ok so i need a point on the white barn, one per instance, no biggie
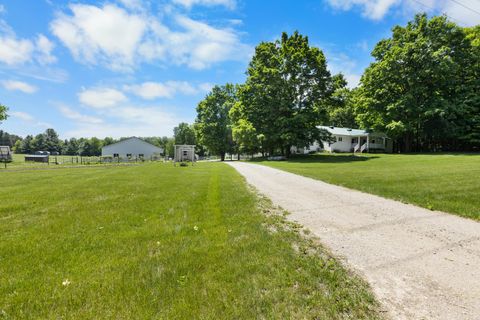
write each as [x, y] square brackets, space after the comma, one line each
[352, 140]
[131, 148]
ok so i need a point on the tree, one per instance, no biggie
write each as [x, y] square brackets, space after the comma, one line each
[416, 89]
[17, 148]
[286, 86]
[243, 132]
[27, 145]
[70, 147]
[52, 142]
[7, 139]
[212, 125]
[339, 108]
[184, 134]
[38, 143]
[3, 112]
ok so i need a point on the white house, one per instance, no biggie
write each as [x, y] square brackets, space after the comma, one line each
[131, 148]
[352, 140]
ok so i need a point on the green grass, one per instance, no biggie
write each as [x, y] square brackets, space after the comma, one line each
[446, 182]
[160, 242]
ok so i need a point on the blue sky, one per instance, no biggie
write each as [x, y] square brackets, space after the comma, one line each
[138, 67]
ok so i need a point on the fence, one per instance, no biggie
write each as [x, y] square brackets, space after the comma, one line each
[28, 161]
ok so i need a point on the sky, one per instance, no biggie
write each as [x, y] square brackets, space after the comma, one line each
[139, 67]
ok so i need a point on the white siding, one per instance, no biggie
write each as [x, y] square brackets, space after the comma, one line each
[339, 146]
[133, 146]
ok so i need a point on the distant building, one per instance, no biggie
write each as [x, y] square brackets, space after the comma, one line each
[350, 140]
[131, 148]
[184, 152]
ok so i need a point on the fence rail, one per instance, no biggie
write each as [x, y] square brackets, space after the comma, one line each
[20, 161]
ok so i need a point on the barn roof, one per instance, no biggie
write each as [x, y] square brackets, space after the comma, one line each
[136, 138]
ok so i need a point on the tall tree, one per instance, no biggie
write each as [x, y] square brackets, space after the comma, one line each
[27, 145]
[52, 142]
[415, 89]
[38, 143]
[212, 126]
[339, 107]
[184, 134]
[282, 97]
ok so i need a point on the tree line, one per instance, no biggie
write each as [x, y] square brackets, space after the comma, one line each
[422, 90]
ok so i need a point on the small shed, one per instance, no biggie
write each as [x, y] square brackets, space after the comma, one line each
[37, 158]
[184, 152]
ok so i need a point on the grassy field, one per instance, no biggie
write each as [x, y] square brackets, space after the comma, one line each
[160, 242]
[446, 182]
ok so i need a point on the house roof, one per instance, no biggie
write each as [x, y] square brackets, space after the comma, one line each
[347, 131]
[135, 138]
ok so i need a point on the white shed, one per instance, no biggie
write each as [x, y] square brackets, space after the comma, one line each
[184, 152]
[131, 148]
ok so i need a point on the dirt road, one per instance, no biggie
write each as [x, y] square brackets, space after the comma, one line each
[421, 264]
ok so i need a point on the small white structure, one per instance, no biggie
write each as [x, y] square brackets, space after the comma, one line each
[351, 140]
[184, 152]
[5, 153]
[131, 148]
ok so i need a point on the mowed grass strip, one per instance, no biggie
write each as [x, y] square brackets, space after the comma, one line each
[445, 182]
[160, 242]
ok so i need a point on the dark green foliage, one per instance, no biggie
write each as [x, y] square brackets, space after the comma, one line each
[282, 97]
[7, 139]
[184, 134]
[213, 125]
[423, 87]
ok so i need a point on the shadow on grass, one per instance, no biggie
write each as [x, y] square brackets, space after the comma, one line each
[323, 158]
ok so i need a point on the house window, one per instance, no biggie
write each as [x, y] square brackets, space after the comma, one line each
[140, 155]
[185, 153]
[115, 155]
[129, 155]
[339, 139]
[373, 141]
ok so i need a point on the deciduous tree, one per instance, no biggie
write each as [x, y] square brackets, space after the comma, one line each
[213, 125]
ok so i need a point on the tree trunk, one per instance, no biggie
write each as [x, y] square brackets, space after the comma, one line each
[238, 156]
[407, 140]
[222, 156]
[287, 152]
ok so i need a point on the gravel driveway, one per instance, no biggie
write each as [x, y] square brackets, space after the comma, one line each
[421, 264]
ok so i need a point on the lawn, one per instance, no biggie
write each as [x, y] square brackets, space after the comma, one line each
[446, 182]
[160, 242]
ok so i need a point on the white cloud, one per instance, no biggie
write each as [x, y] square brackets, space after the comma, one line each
[28, 118]
[101, 97]
[130, 121]
[44, 48]
[342, 63]
[461, 11]
[230, 4]
[74, 115]
[22, 115]
[109, 34]
[2, 8]
[153, 90]
[15, 51]
[12, 85]
[121, 38]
